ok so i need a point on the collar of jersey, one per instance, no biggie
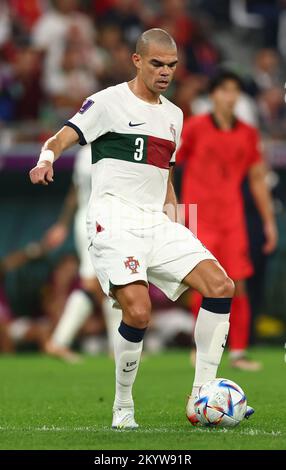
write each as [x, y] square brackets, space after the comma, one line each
[143, 102]
[216, 123]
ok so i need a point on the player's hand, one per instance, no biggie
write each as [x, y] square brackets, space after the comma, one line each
[271, 237]
[42, 173]
[55, 236]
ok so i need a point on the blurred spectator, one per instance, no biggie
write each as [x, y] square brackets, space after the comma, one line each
[245, 109]
[29, 12]
[100, 9]
[175, 18]
[242, 17]
[187, 92]
[27, 92]
[218, 11]
[54, 26]
[130, 16]
[20, 86]
[201, 56]
[5, 23]
[267, 69]
[257, 14]
[72, 81]
[272, 113]
[73, 62]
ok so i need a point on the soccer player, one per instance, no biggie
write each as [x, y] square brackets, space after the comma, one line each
[81, 301]
[218, 151]
[134, 131]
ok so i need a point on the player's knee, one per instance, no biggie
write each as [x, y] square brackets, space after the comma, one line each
[138, 314]
[221, 286]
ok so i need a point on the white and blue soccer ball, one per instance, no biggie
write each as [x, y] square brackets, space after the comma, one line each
[220, 402]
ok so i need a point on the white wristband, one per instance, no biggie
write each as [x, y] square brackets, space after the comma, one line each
[47, 155]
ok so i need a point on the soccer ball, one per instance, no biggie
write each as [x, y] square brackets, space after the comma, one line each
[220, 402]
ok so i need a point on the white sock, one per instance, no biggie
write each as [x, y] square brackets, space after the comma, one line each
[113, 317]
[127, 357]
[237, 353]
[210, 336]
[77, 309]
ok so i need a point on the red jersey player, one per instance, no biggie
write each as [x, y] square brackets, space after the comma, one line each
[218, 151]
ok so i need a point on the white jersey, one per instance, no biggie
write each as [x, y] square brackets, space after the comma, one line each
[82, 176]
[133, 145]
[82, 182]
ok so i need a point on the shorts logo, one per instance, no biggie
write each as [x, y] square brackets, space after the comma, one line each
[132, 264]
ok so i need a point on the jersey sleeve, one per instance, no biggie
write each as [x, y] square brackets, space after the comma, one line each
[186, 142]
[91, 121]
[177, 139]
[255, 148]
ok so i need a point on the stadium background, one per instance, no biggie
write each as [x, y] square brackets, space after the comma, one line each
[55, 53]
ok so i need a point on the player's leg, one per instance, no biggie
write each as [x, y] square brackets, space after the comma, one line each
[125, 278]
[234, 256]
[239, 330]
[78, 308]
[135, 303]
[112, 316]
[211, 238]
[80, 304]
[181, 261]
[6, 342]
[212, 325]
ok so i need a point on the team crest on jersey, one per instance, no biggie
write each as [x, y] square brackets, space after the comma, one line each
[132, 264]
[85, 106]
[173, 131]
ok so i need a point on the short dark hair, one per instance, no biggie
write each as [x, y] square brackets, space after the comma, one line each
[222, 76]
[154, 35]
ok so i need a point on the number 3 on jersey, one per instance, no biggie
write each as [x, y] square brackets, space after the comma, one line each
[139, 144]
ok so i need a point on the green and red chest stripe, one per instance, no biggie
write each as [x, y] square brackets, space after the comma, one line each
[137, 148]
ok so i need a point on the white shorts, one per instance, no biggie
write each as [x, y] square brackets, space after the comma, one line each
[86, 269]
[162, 255]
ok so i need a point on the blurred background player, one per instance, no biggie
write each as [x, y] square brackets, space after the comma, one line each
[81, 302]
[218, 151]
[18, 329]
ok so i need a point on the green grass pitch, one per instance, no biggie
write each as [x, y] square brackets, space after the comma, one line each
[46, 404]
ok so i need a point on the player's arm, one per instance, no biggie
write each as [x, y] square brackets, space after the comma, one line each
[16, 259]
[263, 202]
[42, 173]
[58, 232]
[69, 207]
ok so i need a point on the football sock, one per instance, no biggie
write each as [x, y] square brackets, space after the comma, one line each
[127, 350]
[210, 336]
[239, 326]
[78, 308]
[113, 317]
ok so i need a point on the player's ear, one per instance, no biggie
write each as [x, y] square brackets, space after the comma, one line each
[137, 60]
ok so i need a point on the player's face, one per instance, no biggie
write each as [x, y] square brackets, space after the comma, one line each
[156, 68]
[225, 96]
